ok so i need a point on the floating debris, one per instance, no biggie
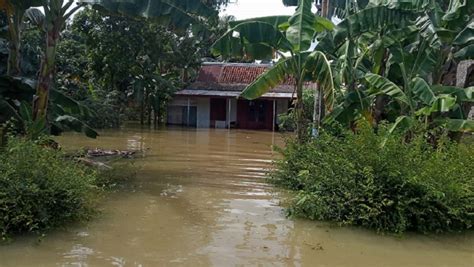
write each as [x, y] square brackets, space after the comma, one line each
[97, 152]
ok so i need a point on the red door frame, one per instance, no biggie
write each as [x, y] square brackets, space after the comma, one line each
[247, 119]
[218, 110]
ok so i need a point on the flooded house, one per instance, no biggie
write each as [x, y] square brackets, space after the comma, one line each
[212, 100]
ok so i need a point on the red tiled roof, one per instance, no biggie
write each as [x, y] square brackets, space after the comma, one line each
[233, 73]
[234, 77]
[209, 73]
[240, 74]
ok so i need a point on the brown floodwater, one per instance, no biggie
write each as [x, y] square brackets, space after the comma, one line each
[200, 199]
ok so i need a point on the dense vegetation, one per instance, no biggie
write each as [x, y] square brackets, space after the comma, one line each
[40, 190]
[393, 65]
[389, 63]
[389, 185]
[107, 64]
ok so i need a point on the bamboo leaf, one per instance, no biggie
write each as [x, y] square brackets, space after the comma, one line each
[76, 125]
[457, 125]
[465, 36]
[423, 91]
[177, 13]
[301, 30]
[268, 80]
[382, 85]
[369, 20]
[402, 125]
[319, 70]
[322, 24]
[465, 53]
[462, 94]
[251, 39]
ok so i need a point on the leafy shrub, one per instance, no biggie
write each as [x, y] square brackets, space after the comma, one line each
[105, 115]
[39, 189]
[287, 122]
[398, 187]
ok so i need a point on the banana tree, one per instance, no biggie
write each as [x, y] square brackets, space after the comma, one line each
[400, 53]
[56, 14]
[432, 105]
[16, 94]
[15, 12]
[291, 38]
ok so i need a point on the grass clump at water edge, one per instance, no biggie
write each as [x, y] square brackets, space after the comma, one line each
[401, 186]
[40, 189]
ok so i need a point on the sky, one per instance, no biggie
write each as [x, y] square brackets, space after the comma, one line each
[245, 9]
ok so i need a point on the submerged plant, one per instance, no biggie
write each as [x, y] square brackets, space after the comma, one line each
[401, 186]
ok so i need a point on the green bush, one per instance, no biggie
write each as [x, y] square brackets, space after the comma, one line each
[39, 189]
[287, 122]
[395, 188]
[105, 116]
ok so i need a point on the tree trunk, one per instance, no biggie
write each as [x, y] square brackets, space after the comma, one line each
[142, 111]
[47, 70]
[14, 42]
[299, 110]
[317, 111]
[149, 108]
[381, 100]
[325, 8]
[55, 16]
[155, 119]
[156, 114]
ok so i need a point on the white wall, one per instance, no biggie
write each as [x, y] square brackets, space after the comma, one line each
[201, 103]
[183, 101]
[233, 109]
[203, 112]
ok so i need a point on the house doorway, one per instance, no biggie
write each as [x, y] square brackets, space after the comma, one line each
[218, 112]
[255, 114]
[189, 116]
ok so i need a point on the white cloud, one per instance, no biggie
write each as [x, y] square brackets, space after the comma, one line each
[245, 9]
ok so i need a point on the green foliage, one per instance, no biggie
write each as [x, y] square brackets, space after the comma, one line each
[131, 65]
[352, 179]
[40, 190]
[391, 59]
[16, 94]
[175, 13]
[287, 122]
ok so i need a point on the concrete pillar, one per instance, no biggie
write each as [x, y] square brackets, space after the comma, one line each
[188, 111]
[274, 115]
[229, 112]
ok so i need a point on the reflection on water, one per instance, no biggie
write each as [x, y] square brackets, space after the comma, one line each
[201, 199]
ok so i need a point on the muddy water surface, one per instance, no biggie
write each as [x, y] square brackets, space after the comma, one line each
[200, 199]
